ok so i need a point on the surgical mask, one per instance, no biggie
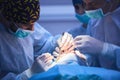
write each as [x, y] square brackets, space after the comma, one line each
[21, 33]
[82, 18]
[98, 13]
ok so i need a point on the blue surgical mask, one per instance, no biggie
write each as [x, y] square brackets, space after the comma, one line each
[82, 18]
[21, 33]
[98, 13]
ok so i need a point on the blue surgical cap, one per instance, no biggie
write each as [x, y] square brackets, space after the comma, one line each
[77, 2]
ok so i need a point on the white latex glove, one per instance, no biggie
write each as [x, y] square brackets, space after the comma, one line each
[34, 69]
[66, 43]
[42, 63]
[58, 52]
[46, 61]
[81, 55]
[87, 44]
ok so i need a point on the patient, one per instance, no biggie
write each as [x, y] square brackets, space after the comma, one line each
[47, 60]
[62, 55]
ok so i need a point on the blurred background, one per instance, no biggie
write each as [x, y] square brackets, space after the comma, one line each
[57, 16]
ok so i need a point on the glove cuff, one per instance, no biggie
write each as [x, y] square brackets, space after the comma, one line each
[28, 73]
[24, 75]
[108, 50]
[105, 47]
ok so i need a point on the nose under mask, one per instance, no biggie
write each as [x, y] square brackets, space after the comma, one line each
[98, 13]
[82, 18]
[20, 33]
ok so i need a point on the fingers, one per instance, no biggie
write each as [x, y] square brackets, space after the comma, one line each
[62, 39]
[49, 60]
[70, 49]
[55, 54]
[68, 41]
[65, 43]
[46, 58]
[68, 44]
[43, 56]
[82, 56]
[57, 49]
[78, 41]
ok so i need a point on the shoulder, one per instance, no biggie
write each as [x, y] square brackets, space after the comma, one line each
[92, 22]
[39, 31]
[116, 17]
[38, 28]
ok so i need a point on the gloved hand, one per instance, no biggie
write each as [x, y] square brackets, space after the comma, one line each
[81, 55]
[57, 53]
[87, 44]
[42, 63]
[65, 43]
[34, 69]
[46, 61]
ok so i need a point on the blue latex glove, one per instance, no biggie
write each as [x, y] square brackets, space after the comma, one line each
[87, 44]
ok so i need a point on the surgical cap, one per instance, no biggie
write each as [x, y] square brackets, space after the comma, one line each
[77, 2]
[21, 11]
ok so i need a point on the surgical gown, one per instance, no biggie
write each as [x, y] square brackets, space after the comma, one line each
[107, 29]
[80, 30]
[18, 54]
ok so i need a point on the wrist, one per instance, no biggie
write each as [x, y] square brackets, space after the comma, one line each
[104, 49]
[24, 75]
[108, 50]
[28, 73]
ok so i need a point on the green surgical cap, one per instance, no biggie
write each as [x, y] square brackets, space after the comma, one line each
[21, 11]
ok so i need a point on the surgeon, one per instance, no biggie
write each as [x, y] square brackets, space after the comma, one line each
[103, 38]
[81, 16]
[22, 39]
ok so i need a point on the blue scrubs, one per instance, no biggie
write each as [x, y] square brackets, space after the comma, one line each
[107, 29]
[80, 30]
[18, 54]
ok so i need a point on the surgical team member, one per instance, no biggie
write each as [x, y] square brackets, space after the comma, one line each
[103, 39]
[81, 16]
[21, 39]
